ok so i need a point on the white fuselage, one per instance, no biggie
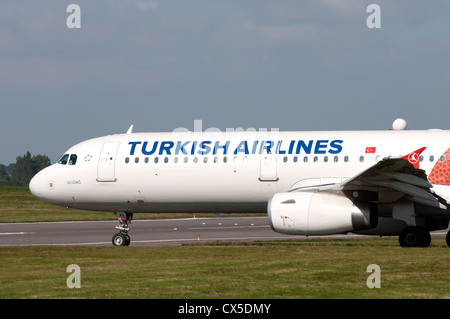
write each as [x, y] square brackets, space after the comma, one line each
[219, 172]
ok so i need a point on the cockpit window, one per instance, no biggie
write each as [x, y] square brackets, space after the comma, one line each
[73, 159]
[68, 159]
[63, 160]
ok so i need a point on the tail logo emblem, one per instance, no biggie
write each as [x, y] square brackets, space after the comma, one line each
[413, 158]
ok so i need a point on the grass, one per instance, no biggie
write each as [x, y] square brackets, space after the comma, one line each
[18, 205]
[290, 269]
[262, 269]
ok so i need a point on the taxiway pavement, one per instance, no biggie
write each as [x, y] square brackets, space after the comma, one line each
[155, 232]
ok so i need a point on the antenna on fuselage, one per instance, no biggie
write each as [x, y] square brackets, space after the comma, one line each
[130, 130]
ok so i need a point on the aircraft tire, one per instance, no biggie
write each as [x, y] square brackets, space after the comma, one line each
[447, 238]
[426, 237]
[121, 239]
[412, 236]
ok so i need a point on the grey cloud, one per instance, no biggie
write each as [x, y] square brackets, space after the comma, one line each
[294, 65]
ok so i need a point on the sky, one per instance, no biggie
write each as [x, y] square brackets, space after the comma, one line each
[161, 65]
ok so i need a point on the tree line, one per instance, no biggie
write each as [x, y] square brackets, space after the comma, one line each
[20, 173]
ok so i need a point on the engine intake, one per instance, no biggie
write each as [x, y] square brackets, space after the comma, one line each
[307, 213]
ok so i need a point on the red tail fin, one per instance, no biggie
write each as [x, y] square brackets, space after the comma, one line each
[413, 157]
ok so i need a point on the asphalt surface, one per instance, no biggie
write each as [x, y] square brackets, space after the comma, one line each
[163, 232]
[158, 232]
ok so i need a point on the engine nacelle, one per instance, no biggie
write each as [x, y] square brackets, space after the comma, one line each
[308, 213]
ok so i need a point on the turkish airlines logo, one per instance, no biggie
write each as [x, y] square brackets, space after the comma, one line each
[413, 158]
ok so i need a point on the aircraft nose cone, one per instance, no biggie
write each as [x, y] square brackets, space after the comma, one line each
[37, 185]
[42, 186]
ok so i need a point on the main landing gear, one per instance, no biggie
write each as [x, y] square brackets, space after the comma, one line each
[416, 236]
[447, 238]
[122, 238]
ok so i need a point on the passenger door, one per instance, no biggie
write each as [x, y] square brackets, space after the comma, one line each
[107, 162]
[268, 168]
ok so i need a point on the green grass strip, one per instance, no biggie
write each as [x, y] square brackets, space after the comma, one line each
[291, 269]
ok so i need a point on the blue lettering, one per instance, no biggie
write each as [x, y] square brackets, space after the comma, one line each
[165, 146]
[206, 148]
[335, 147]
[180, 147]
[133, 146]
[255, 144]
[279, 150]
[261, 147]
[144, 148]
[268, 148]
[194, 145]
[242, 147]
[257, 147]
[307, 148]
[291, 147]
[224, 147]
[321, 146]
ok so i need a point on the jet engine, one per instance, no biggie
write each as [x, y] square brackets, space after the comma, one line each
[309, 213]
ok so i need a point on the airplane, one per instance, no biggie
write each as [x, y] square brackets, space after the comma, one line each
[392, 182]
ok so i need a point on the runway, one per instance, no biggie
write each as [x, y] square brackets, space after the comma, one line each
[155, 232]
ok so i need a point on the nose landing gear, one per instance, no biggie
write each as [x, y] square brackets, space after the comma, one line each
[122, 238]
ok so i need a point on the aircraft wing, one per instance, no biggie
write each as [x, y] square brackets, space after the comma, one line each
[392, 179]
[388, 181]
